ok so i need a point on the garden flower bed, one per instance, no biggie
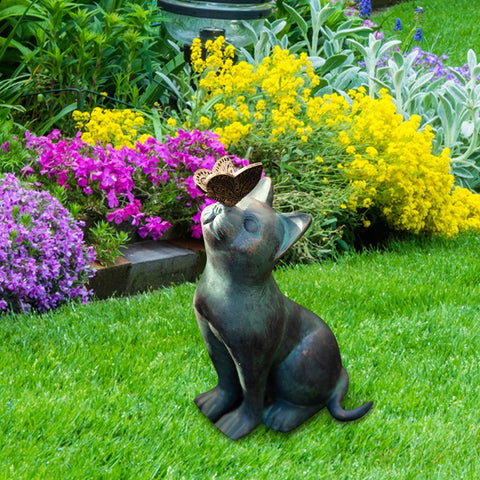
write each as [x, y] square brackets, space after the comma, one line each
[343, 120]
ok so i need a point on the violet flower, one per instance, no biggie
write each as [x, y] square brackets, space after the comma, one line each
[43, 260]
[155, 227]
[365, 8]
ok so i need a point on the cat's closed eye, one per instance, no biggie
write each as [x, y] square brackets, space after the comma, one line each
[250, 225]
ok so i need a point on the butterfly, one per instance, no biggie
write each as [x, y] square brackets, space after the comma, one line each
[225, 183]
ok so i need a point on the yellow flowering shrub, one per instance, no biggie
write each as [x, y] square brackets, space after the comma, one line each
[118, 128]
[243, 96]
[391, 167]
[353, 144]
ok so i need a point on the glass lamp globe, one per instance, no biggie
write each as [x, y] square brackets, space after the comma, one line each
[207, 20]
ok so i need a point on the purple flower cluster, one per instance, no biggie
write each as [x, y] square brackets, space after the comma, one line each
[365, 7]
[133, 185]
[429, 62]
[433, 63]
[418, 35]
[43, 261]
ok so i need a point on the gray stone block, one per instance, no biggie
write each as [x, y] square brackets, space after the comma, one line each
[155, 264]
[110, 281]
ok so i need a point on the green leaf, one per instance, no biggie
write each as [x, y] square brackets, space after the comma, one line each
[381, 83]
[351, 31]
[397, 79]
[360, 47]
[332, 63]
[325, 13]
[463, 172]
[63, 113]
[151, 94]
[17, 11]
[471, 60]
[14, 29]
[302, 24]
[327, 49]
[347, 78]
[467, 128]
[290, 168]
[5, 43]
[343, 245]
[317, 63]
[173, 88]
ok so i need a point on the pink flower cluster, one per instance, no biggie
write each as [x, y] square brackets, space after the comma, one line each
[132, 185]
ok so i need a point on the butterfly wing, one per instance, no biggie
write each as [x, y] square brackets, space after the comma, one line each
[246, 179]
[224, 165]
[221, 187]
[226, 185]
[200, 179]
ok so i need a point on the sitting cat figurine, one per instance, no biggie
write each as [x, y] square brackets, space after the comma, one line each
[277, 362]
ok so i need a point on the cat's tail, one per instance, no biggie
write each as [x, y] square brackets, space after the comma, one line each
[334, 403]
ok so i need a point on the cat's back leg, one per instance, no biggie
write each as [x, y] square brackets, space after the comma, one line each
[302, 384]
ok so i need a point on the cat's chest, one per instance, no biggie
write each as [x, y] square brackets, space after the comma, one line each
[216, 303]
[233, 307]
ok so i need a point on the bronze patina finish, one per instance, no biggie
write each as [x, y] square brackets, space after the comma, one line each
[277, 362]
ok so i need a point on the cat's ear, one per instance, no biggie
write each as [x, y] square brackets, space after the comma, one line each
[263, 192]
[294, 226]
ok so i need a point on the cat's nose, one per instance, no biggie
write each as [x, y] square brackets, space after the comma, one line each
[211, 212]
[220, 208]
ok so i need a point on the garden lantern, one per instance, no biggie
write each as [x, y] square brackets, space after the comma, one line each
[207, 20]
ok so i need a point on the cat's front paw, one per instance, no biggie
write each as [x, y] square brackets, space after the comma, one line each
[216, 402]
[239, 423]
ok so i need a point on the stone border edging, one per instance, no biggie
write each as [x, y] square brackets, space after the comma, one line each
[149, 265]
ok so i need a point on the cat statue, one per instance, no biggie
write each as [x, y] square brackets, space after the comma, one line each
[277, 362]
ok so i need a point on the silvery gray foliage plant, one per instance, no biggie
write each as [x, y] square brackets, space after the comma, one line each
[337, 65]
[264, 42]
[457, 122]
[372, 53]
[407, 85]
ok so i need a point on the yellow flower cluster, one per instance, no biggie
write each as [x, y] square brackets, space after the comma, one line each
[271, 94]
[115, 127]
[391, 167]
[328, 110]
[217, 55]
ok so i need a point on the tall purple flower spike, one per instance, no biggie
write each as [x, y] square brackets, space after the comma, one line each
[418, 35]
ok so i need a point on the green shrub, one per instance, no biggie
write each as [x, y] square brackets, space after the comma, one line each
[78, 55]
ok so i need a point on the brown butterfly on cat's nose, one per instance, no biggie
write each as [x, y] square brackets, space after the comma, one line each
[225, 184]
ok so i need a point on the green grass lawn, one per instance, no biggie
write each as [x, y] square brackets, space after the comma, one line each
[105, 390]
[447, 27]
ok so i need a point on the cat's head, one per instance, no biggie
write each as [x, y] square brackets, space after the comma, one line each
[250, 236]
